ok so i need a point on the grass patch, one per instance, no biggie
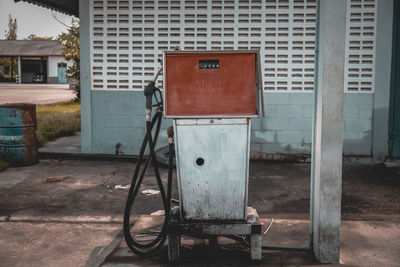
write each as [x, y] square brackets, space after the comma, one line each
[57, 120]
[3, 165]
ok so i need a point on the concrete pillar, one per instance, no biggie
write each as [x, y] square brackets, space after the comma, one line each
[85, 82]
[328, 131]
[19, 70]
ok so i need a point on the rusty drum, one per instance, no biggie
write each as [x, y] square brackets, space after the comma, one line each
[18, 141]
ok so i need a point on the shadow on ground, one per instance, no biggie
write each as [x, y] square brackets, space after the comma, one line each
[87, 188]
[69, 212]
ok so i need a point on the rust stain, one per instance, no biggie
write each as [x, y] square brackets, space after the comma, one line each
[229, 90]
[21, 146]
[281, 157]
[56, 179]
[170, 131]
[28, 114]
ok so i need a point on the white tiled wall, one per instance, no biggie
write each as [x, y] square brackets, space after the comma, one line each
[128, 37]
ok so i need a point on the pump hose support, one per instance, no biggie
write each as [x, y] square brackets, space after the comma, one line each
[144, 249]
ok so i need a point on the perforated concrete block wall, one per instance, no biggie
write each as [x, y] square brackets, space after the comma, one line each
[128, 37]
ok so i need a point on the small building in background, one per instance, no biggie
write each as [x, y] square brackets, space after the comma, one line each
[32, 61]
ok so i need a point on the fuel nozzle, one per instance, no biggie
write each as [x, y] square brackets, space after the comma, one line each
[149, 90]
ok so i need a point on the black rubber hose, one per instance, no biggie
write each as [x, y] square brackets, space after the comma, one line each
[144, 169]
[148, 248]
[141, 155]
[146, 165]
[136, 247]
[135, 185]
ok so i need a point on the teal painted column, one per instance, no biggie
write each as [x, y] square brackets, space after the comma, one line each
[394, 108]
[86, 94]
[328, 131]
[19, 69]
[383, 59]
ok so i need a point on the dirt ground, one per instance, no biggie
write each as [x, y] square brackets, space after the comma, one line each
[283, 188]
[69, 213]
[279, 189]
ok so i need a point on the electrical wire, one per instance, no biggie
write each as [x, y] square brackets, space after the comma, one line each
[269, 226]
[59, 21]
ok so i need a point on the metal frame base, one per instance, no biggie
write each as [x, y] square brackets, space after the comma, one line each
[176, 228]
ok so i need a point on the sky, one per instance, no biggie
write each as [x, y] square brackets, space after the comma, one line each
[31, 19]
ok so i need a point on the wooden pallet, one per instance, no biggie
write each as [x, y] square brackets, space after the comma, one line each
[250, 228]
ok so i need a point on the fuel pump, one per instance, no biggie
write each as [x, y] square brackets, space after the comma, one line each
[211, 97]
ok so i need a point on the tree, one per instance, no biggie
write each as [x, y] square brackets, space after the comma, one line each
[33, 36]
[70, 40]
[11, 34]
[9, 63]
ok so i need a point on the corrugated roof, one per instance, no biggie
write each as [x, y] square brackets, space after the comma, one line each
[30, 48]
[70, 7]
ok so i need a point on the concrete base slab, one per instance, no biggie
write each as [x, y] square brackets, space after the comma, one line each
[373, 243]
[198, 251]
[68, 144]
[393, 163]
[53, 244]
[363, 244]
[248, 232]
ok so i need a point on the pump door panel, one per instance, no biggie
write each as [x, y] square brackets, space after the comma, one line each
[212, 164]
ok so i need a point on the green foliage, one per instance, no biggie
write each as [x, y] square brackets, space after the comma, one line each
[33, 36]
[57, 120]
[70, 40]
[3, 165]
[77, 91]
[9, 63]
[11, 34]
[5, 75]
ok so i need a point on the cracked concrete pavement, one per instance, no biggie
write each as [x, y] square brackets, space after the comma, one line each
[76, 219]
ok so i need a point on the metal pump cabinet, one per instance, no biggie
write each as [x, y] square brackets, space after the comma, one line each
[212, 166]
[211, 97]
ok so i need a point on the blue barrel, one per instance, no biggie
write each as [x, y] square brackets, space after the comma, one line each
[18, 141]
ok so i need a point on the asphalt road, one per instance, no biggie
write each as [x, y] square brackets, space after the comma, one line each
[34, 93]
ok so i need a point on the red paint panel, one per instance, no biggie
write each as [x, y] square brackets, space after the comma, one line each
[227, 91]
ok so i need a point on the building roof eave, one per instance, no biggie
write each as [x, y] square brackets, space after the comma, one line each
[30, 48]
[69, 7]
